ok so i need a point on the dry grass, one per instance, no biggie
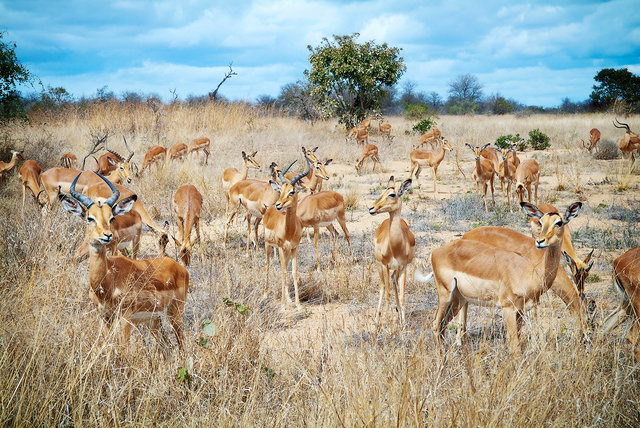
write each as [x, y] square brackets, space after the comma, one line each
[324, 365]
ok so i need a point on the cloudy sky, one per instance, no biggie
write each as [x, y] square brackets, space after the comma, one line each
[536, 52]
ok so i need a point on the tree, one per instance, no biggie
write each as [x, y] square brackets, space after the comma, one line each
[615, 85]
[350, 79]
[297, 99]
[12, 73]
[465, 87]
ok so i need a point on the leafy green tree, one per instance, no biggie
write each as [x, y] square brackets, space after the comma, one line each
[12, 73]
[350, 79]
[616, 84]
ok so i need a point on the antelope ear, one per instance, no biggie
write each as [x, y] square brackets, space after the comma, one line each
[327, 162]
[404, 187]
[588, 258]
[588, 267]
[112, 161]
[572, 211]
[485, 146]
[531, 210]
[73, 206]
[275, 185]
[469, 145]
[391, 182]
[244, 155]
[314, 150]
[569, 261]
[125, 205]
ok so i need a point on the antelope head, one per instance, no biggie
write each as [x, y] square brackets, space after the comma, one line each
[123, 165]
[250, 160]
[579, 273]
[320, 170]
[391, 198]
[552, 224]
[310, 153]
[477, 150]
[287, 189]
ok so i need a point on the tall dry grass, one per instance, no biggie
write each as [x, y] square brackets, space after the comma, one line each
[325, 365]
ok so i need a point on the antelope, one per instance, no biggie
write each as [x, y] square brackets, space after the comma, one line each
[394, 245]
[629, 143]
[231, 176]
[127, 230]
[506, 172]
[187, 203]
[626, 279]
[594, 137]
[112, 160]
[512, 155]
[366, 123]
[369, 151]
[177, 151]
[153, 155]
[137, 291]
[473, 271]
[30, 177]
[362, 135]
[430, 137]
[6, 167]
[310, 153]
[312, 181]
[199, 144]
[283, 229]
[320, 210]
[484, 172]
[68, 160]
[385, 130]
[528, 172]
[423, 158]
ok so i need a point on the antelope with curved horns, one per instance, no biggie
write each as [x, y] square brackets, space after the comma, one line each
[594, 137]
[113, 160]
[484, 172]
[137, 291]
[68, 160]
[187, 203]
[395, 245]
[153, 155]
[283, 229]
[527, 173]
[6, 167]
[231, 176]
[422, 158]
[195, 146]
[30, 177]
[472, 271]
[629, 143]
[127, 230]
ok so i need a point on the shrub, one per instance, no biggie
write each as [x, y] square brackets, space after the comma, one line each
[502, 141]
[538, 140]
[416, 111]
[607, 150]
[423, 126]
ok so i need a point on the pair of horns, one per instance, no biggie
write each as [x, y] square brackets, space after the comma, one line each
[106, 147]
[86, 201]
[297, 177]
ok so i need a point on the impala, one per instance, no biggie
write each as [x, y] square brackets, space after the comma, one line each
[187, 203]
[177, 151]
[629, 143]
[506, 173]
[594, 137]
[362, 135]
[473, 271]
[195, 146]
[112, 160]
[366, 123]
[312, 181]
[512, 154]
[68, 160]
[432, 159]
[430, 137]
[369, 151]
[153, 155]
[138, 291]
[626, 278]
[231, 176]
[283, 229]
[6, 167]
[385, 130]
[484, 172]
[30, 177]
[126, 229]
[527, 173]
[394, 244]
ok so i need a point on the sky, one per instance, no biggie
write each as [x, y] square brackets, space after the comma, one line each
[537, 52]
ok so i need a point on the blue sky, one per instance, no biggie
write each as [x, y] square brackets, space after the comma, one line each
[535, 52]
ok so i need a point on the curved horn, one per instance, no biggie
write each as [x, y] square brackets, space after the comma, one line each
[116, 193]
[97, 164]
[130, 151]
[84, 200]
[112, 151]
[624, 125]
[299, 176]
[282, 173]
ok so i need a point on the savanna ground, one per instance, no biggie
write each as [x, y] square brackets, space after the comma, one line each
[324, 365]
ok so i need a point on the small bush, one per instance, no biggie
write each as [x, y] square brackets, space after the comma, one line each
[538, 140]
[502, 141]
[607, 150]
[423, 126]
[416, 111]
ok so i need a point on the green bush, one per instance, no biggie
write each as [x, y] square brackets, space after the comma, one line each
[416, 111]
[502, 141]
[423, 126]
[538, 140]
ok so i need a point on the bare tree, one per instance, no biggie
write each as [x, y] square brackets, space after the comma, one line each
[466, 87]
[213, 95]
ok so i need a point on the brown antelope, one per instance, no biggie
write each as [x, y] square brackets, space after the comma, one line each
[629, 143]
[195, 146]
[112, 160]
[527, 173]
[68, 160]
[283, 229]
[231, 176]
[312, 181]
[366, 123]
[474, 271]
[310, 153]
[594, 137]
[187, 203]
[320, 210]
[385, 130]
[369, 151]
[506, 173]
[484, 172]
[362, 135]
[30, 177]
[126, 229]
[512, 154]
[394, 244]
[430, 137]
[153, 155]
[626, 279]
[6, 167]
[432, 159]
[138, 291]
[177, 151]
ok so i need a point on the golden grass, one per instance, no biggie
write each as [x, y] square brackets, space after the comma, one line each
[324, 365]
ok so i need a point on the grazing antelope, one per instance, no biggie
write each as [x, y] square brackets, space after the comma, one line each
[506, 173]
[430, 137]
[112, 160]
[473, 271]
[594, 137]
[187, 203]
[394, 245]
[6, 167]
[385, 130]
[320, 210]
[432, 159]
[177, 151]
[528, 172]
[68, 160]
[195, 146]
[283, 229]
[153, 155]
[231, 176]
[127, 230]
[138, 291]
[626, 279]
[369, 151]
[484, 172]
[629, 143]
[30, 177]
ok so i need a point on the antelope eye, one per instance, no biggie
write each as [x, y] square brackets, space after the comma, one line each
[122, 168]
[91, 219]
[392, 195]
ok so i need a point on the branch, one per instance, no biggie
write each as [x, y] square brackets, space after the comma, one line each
[213, 95]
[99, 139]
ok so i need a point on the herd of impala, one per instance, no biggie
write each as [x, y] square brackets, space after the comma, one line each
[493, 266]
